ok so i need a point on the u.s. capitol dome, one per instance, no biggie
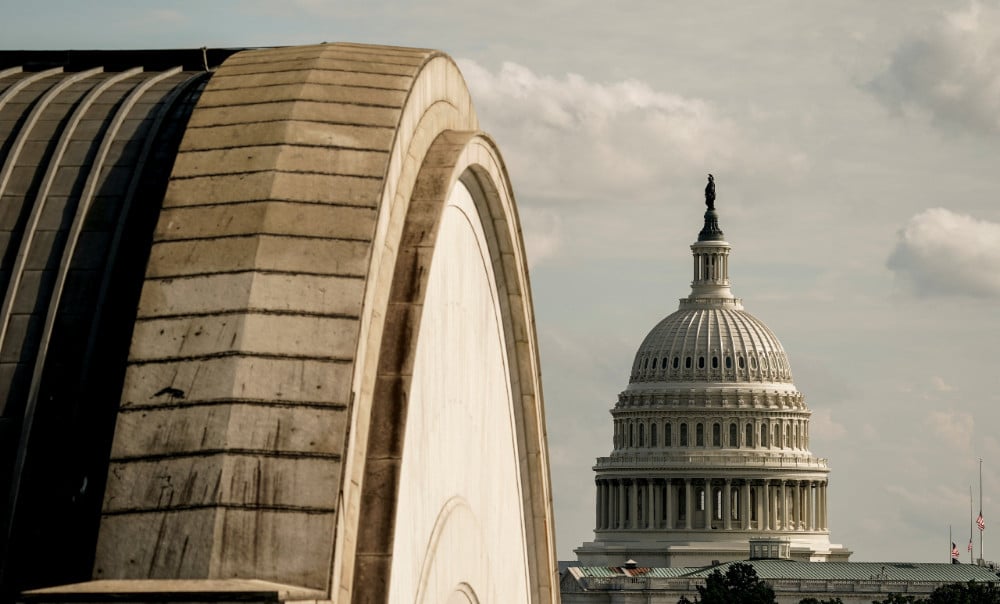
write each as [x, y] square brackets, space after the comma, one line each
[711, 440]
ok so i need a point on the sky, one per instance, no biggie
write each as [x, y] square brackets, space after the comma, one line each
[856, 151]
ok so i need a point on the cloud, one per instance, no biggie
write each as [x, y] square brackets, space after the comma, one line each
[822, 426]
[943, 253]
[950, 72]
[569, 139]
[953, 428]
[542, 231]
[938, 383]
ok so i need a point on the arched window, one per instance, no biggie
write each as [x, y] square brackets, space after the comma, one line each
[715, 362]
[734, 436]
[654, 363]
[645, 363]
[687, 362]
[776, 435]
[748, 437]
[753, 504]
[642, 435]
[734, 503]
[652, 435]
[729, 362]
[742, 363]
[631, 433]
[663, 363]
[677, 362]
[684, 435]
[699, 435]
[753, 362]
[701, 362]
[716, 435]
[717, 507]
[763, 435]
[667, 435]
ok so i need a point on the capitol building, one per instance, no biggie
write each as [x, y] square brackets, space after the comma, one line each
[711, 440]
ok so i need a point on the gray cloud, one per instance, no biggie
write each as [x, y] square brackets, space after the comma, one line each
[950, 72]
[942, 253]
[569, 138]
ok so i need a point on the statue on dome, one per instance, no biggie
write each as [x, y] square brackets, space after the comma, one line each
[710, 193]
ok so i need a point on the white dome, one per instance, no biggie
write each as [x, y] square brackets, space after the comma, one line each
[711, 344]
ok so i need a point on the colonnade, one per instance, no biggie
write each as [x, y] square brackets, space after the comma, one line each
[764, 504]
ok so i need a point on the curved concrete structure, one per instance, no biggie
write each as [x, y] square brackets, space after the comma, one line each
[335, 271]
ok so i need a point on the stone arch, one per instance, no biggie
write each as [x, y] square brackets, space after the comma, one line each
[279, 323]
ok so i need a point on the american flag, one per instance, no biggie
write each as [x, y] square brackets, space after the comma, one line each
[954, 550]
[980, 522]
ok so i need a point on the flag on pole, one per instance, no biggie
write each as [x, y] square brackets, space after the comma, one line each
[980, 522]
[954, 550]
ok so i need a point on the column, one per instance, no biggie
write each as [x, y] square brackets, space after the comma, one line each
[633, 502]
[822, 499]
[812, 506]
[784, 505]
[668, 505]
[688, 503]
[797, 499]
[597, 499]
[765, 517]
[651, 508]
[727, 505]
[745, 504]
[709, 501]
[620, 511]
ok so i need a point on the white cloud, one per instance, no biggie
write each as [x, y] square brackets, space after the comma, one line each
[955, 429]
[950, 72]
[571, 139]
[941, 253]
[823, 426]
[542, 230]
[938, 383]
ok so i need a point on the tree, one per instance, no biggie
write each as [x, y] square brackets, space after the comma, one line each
[953, 593]
[740, 585]
[815, 601]
[900, 599]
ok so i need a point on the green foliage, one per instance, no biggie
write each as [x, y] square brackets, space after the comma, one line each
[740, 585]
[899, 599]
[815, 601]
[953, 593]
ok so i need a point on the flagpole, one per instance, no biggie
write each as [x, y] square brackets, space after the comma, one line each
[972, 554]
[981, 555]
[951, 546]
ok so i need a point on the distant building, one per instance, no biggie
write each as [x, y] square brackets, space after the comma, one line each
[711, 439]
[852, 582]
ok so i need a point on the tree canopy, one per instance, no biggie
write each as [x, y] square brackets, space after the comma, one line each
[740, 585]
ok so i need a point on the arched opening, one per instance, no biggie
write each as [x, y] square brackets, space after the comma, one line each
[667, 435]
[631, 435]
[763, 435]
[652, 435]
[748, 436]
[699, 431]
[642, 435]
[753, 504]
[716, 435]
[684, 435]
[734, 503]
[733, 436]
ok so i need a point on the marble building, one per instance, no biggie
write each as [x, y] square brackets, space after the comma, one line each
[711, 440]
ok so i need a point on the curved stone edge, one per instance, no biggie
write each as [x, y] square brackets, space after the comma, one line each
[239, 378]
